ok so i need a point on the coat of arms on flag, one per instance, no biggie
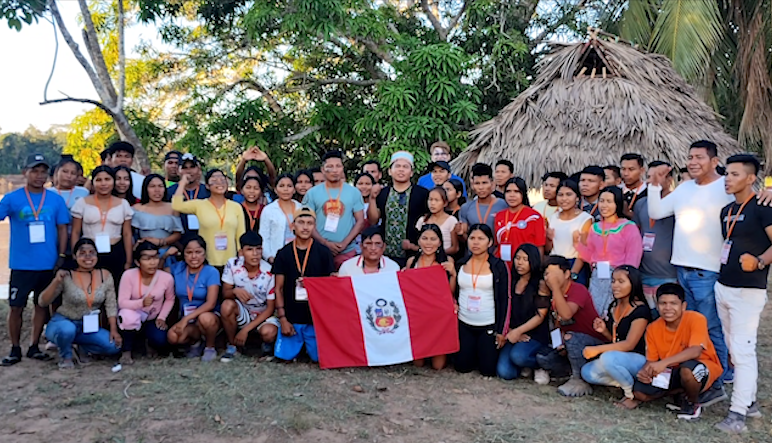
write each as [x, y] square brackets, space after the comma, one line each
[383, 319]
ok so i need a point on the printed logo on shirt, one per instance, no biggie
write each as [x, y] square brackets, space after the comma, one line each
[739, 218]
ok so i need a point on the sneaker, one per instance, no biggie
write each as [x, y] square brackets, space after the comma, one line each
[209, 355]
[526, 373]
[690, 411]
[267, 349]
[194, 351]
[734, 423]
[678, 403]
[754, 411]
[50, 346]
[35, 353]
[712, 396]
[541, 377]
[13, 358]
[230, 354]
[65, 365]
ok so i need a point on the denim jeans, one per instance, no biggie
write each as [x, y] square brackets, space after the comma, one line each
[65, 333]
[573, 361]
[698, 285]
[156, 338]
[514, 357]
[614, 368]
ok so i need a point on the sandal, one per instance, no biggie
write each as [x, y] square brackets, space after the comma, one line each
[10, 360]
[37, 354]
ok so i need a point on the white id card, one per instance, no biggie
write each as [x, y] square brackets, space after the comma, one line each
[506, 252]
[37, 232]
[187, 310]
[221, 241]
[725, 248]
[102, 242]
[473, 303]
[604, 269]
[192, 222]
[301, 293]
[91, 322]
[556, 337]
[331, 223]
[662, 380]
[648, 241]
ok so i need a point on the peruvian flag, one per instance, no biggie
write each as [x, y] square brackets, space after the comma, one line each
[383, 319]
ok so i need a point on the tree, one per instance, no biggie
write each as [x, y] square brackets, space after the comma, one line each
[15, 148]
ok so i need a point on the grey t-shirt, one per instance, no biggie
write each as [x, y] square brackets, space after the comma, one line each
[468, 212]
[655, 263]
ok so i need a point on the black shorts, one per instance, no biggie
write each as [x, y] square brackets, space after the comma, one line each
[24, 282]
[699, 370]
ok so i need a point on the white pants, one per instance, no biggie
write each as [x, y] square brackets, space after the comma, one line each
[740, 310]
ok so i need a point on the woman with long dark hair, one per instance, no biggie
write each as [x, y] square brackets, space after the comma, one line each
[253, 201]
[304, 180]
[484, 289]
[454, 189]
[437, 201]
[628, 317]
[529, 329]
[154, 219]
[611, 242]
[561, 227]
[124, 184]
[277, 218]
[519, 223]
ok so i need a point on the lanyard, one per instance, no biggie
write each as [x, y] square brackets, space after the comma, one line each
[475, 276]
[149, 286]
[651, 223]
[35, 212]
[69, 198]
[88, 290]
[252, 220]
[421, 261]
[487, 213]
[730, 228]
[195, 194]
[340, 193]
[189, 289]
[507, 221]
[594, 207]
[302, 270]
[102, 211]
[617, 320]
[635, 197]
[220, 215]
[286, 215]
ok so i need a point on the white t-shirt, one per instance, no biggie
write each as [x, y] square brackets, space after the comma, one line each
[261, 288]
[353, 266]
[70, 196]
[563, 243]
[545, 209]
[697, 238]
[476, 306]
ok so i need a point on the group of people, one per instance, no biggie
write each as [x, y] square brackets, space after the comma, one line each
[617, 278]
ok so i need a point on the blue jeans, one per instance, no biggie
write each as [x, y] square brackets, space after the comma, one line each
[156, 338]
[698, 285]
[65, 333]
[570, 362]
[614, 368]
[514, 357]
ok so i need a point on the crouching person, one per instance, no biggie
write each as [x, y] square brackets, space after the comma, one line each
[85, 292]
[680, 358]
[248, 289]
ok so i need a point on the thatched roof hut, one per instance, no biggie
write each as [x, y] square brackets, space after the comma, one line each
[591, 103]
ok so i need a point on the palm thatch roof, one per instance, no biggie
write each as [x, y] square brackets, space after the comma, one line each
[591, 103]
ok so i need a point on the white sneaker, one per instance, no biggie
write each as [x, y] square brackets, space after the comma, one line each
[541, 377]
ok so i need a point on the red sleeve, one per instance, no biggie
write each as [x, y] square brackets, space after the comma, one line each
[538, 231]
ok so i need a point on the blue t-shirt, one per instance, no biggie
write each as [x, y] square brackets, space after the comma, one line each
[25, 255]
[320, 201]
[209, 276]
[426, 182]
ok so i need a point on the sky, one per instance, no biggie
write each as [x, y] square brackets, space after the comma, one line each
[27, 58]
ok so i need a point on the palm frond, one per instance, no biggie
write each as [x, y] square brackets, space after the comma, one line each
[638, 21]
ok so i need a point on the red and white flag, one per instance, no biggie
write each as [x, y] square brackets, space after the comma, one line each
[383, 319]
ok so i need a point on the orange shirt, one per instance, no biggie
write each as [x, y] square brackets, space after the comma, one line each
[662, 343]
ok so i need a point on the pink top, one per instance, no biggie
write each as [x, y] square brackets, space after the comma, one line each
[623, 244]
[129, 296]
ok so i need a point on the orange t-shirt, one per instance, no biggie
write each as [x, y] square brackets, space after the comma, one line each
[662, 343]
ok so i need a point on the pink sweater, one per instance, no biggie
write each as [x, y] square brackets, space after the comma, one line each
[129, 296]
[623, 245]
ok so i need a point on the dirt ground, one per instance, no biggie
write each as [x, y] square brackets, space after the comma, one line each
[182, 400]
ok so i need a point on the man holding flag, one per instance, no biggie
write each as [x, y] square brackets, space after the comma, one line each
[372, 260]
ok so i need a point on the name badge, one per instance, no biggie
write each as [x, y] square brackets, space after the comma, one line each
[556, 337]
[725, 248]
[221, 241]
[192, 222]
[473, 303]
[604, 269]
[662, 380]
[37, 232]
[331, 222]
[648, 241]
[301, 293]
[187, 310]
[102, 242]
[91, 322]
[506, 252]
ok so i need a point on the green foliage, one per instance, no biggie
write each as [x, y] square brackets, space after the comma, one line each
[17, 12]
[15, 147]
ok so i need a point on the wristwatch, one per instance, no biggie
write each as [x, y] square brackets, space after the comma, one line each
[574, 276]
[762, 265]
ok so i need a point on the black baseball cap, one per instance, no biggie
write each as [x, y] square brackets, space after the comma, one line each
[442, 164]
[251, 238]
[36, 160]
[189, 158]
[171, 154]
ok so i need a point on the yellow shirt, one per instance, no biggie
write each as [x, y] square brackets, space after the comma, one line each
[233, 226]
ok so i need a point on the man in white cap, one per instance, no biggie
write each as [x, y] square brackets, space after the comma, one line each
[398, 207]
